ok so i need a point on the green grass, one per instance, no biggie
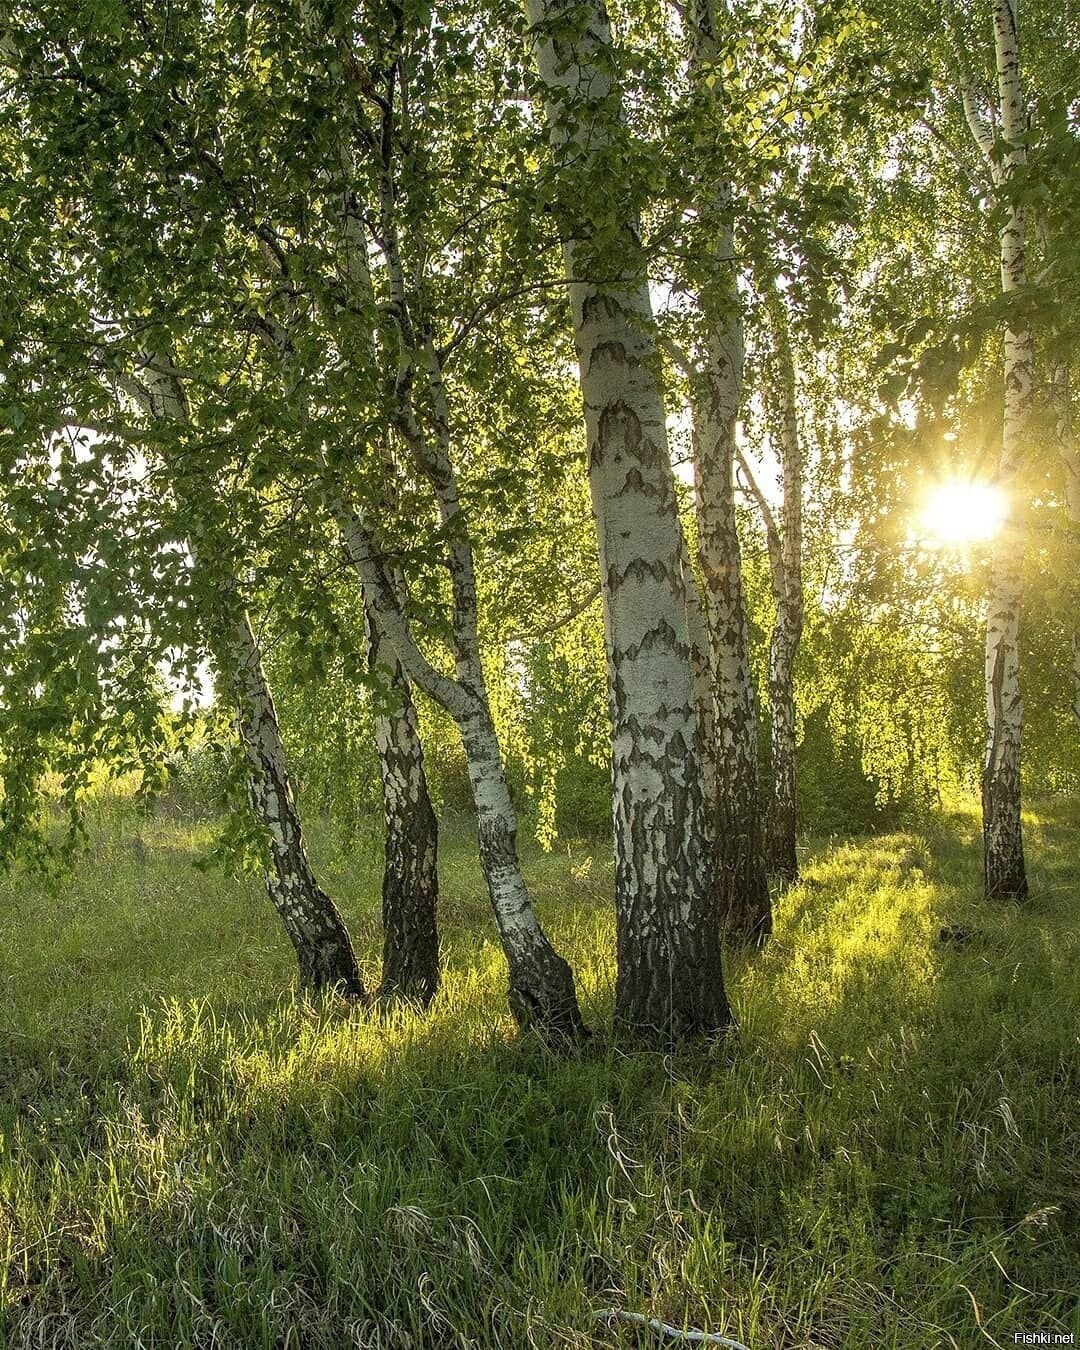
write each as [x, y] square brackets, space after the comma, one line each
[886, 1154]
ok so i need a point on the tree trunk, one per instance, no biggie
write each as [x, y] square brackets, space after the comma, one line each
[788, 625]
[541, 984]
[704, 694]
[669, 981]
[1072, 489]
[324, 950]
[745, 909]
[410, 890]
[541, 992]
[311, 919]
[782, 816]
[1003, 845]
[1069, 452]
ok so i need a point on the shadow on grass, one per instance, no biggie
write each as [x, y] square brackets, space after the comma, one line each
[889, 1132]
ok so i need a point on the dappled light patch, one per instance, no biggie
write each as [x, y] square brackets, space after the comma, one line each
[888, 1127]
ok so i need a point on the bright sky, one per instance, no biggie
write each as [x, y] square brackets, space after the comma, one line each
[958, 514]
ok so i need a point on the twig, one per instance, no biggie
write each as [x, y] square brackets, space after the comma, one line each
[673, 1333]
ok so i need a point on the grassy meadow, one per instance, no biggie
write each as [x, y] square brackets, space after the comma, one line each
[886, 1153]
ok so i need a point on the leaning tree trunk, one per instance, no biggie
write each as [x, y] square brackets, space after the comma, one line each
[669, 981]
[788, 625]
[541, 992]
[311, 920]
[410, 890]
[541, 984]
[1003, 845]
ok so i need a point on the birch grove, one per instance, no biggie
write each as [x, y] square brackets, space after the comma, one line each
[475, 315]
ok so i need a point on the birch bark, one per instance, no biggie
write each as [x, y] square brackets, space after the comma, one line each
[745, 909]
[541, 984]
[541, 987]
[410, 883]
[788, 625]
[1003, 847]
[704, 691]
[1069, 454]
[311, 919]
[324, 951]
[410, 888]
[669, 981]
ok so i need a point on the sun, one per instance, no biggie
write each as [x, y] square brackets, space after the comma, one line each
[958, 514]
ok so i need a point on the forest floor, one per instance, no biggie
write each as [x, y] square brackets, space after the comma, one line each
[886, 1154]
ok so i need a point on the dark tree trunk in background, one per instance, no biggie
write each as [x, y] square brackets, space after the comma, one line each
[410, 891]
[782, 818]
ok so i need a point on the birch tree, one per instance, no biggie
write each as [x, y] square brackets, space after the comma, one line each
[784, 541]
[1069, 452]
[419, 417]
[311, 919]
[716, 396]
[541, 986]
[410, 886]
[669, 980]
[1005, 155]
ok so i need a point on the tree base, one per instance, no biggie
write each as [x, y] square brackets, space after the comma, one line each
[1004, 870]
[543, 1000]
[651, 1018]
[1011, 885]
[737, 934]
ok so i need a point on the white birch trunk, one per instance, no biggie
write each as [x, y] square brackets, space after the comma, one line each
[704, 694]
[541, 992]
[745, 909]
[669, 980]
[311, 920]
[1069, 452]
[1003, 847]
[788, 624]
